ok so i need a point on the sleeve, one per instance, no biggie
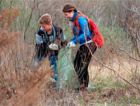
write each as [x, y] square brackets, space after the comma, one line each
[38, 37]
[61, 38]
[84, 31]
[40, 48]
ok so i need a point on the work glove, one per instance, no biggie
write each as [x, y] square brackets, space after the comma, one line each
[71, 44]
[53, 46]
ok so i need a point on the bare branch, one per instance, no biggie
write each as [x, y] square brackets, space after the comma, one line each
[113, 71]
[1, 1]
[128, 54]
[134, 9]
[30, 17]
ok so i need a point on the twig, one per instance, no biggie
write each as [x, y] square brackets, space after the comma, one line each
[11, 2]
[113, 71]
[1, 1]
[131, 9]
[30, 17]
[129, 55]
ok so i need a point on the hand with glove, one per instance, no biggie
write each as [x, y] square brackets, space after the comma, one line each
[53, 46]
[71, 44]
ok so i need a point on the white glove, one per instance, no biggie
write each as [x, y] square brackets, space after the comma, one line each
[53, 46]
[71, 44]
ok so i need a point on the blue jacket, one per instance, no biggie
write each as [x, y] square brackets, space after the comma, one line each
[83, 34]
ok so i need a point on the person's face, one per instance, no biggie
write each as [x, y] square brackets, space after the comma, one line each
[47, 27]
[69, 15]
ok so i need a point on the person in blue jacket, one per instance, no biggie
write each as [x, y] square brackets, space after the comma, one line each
[49, 39]
[83, 36]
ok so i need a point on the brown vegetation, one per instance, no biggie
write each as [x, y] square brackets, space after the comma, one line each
[22, 84]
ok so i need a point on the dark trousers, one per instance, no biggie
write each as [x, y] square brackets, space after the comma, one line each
[82, 61]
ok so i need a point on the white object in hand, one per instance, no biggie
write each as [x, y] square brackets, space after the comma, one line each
[53, 46]
[71, 44]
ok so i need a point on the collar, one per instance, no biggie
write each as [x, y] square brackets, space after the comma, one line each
[52, 31]
[74, 16]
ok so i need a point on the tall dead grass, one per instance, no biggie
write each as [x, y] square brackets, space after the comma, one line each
[17, 75]
[21, 84]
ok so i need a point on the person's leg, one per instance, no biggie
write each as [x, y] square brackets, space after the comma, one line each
[82, 61]
[84, 76]
[53, 63]
[88, 50]
[78, 64]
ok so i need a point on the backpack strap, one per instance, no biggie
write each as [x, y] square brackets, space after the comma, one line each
[76, 23]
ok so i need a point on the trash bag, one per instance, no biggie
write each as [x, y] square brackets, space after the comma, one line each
[67, 77]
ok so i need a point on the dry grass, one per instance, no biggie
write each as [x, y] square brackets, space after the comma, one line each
[19, 81]
[22, 84]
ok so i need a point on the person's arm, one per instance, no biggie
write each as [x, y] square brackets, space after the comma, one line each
[61, 38]
[40, 46]
[83, 33]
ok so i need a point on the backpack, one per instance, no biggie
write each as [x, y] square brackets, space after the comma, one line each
[97, 37]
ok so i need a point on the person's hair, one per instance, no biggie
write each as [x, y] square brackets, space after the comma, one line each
[69, 8]
[45, 19]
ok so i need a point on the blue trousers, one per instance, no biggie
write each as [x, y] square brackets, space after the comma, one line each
[53, 62]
